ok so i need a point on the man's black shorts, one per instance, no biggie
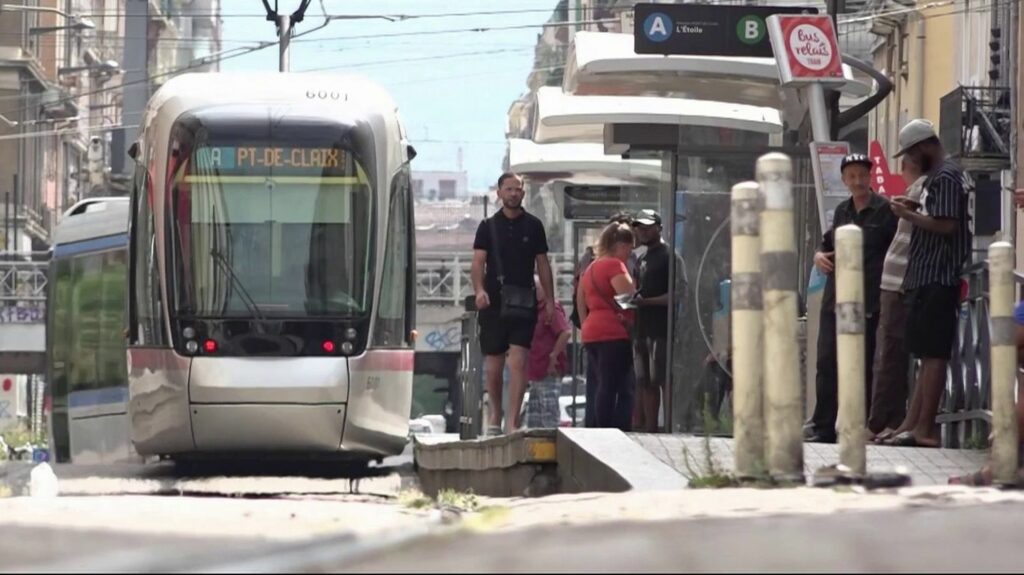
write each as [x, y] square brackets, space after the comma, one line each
[497, 334]
[932, 321]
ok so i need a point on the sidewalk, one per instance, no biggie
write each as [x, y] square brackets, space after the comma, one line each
[926, 466]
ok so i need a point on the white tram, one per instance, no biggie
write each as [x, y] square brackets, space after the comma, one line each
[270, 259]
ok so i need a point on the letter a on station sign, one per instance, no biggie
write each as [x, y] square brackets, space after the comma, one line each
[658, 27]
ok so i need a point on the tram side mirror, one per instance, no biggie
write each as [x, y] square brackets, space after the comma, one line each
[133, 151]
[411, 152]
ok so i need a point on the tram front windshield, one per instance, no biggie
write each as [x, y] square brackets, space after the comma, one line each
[272, 229]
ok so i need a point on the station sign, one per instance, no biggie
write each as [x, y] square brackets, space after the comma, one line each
[706, 30]
[806, 49]
[592, 202]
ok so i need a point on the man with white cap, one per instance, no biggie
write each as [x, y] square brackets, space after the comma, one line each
[940, 245]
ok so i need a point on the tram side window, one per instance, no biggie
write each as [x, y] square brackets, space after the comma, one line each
[86, 309]
[110, 354]
[60, 331]
[146, 281]
[393, 310]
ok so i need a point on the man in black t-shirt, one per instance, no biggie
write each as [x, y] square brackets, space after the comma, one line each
[651, 345]
[522, 247]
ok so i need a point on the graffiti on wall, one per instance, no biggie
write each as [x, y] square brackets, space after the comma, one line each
[23, 314]
[441, 338]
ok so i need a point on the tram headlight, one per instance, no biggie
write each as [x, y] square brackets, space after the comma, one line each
[351, 333]
[188, 332]
[191, 346]
[346, 347]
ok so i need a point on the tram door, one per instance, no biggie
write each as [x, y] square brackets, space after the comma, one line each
[584, 235]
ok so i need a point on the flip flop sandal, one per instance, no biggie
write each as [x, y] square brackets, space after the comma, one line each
[884, 436]
[906, 439]
[976, 479]
[493, 431]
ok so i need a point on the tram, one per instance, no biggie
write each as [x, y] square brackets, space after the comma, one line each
[270, 289]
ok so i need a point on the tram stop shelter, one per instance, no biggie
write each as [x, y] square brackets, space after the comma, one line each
[704, 120]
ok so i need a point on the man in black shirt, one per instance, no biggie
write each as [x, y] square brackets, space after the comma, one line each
[940, 245]
[871, 213]
[651, 344]
[512, 244]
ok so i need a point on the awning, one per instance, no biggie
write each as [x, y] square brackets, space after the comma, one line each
[563, 161]
[605, 64]
[563, 117]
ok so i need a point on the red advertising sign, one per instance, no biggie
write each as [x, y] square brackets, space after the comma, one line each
[882, 180]
[806, 48]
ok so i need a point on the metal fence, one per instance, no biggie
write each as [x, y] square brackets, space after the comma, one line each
[22, 280]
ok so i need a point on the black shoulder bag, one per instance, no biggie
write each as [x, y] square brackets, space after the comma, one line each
[517, 302]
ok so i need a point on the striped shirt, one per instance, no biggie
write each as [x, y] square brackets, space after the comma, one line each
[895, 267]
[937, 258]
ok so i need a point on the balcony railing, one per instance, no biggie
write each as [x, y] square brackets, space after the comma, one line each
[975, 123]
[22, 282]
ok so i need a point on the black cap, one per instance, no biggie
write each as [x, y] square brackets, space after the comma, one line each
[647, 218]
[620, 218]
[856, 159]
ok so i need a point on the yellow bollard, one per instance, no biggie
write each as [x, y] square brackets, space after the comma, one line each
[850, 321]
[748, 392]
[781, 361]
[1004, 363]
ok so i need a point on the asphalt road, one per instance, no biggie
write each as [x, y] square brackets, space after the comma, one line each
[157, 517]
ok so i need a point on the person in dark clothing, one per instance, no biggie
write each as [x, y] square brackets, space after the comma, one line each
[509, 247]
[650, 348]
[940, 245]
[872, 214]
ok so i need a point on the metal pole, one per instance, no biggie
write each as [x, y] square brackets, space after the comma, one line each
[7, 222]
[851, 348]
[819, 113]
[672, 274]
[284, 32]
[14, 223]
[747, 326]
[783, 400]
[1004, 363]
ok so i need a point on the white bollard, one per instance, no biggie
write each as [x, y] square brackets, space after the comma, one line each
[850, 320]
[747, 361]
[1004, 363]
[783, 400]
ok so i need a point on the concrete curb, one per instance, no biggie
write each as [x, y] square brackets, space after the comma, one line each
[608, 460]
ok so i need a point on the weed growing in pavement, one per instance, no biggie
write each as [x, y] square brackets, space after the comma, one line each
[414, 500]
[462, 501]
[708, 474]
[976, 441]
[446, 498]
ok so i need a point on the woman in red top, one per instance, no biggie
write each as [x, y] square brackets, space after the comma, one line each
[605, 330]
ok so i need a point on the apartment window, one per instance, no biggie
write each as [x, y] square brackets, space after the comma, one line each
[446, 189]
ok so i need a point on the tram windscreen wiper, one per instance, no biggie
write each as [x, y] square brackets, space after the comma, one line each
[235, 282]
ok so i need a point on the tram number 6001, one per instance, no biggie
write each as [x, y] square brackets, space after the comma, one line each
[323, 95]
